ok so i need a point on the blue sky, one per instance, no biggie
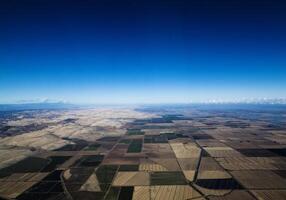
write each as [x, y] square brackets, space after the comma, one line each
[142, 51]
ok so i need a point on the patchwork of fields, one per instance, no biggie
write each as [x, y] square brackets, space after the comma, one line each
[178, 155]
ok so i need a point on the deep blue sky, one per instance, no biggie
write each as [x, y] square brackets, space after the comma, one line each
[142, 51]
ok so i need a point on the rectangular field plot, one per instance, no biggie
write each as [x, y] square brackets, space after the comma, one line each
[161, 138]
[186, 150]
[14, 189]
[50, 187]
[125, 141]
[134, 132]
[135, 146]
[222, 152]
[72, 147]
[88, 195]
[131, 179]
[24, 177]
[55, 161]
[118, 151]
[257, 153]
[109, 139]
[165, 192]
[280, 152]
[269, 194]
[211, 143]
[151, 167]
[213, 175]
[121, 161]
[128, 168]
[168, 164]
[248, 163]
[188, 163]
[106, 173]
[30, 164]
[89, 161]
[168, 178]
[209, 164]
[126, 193]
[113, 193]
[259, 179]
[218, 184]
[92, 147]
[201, 136]
[158, 150]
[235, 195]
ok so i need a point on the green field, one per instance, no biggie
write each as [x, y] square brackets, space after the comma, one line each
[105, 173]
[125, 141]
[92, 147]
[127, 168]
[113, 193]
[30, 164]
[135, 132]
[135, 146]
[168, 178]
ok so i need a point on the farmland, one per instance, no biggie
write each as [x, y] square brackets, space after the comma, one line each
[173, 154]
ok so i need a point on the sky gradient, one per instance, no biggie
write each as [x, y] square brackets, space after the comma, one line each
[142, 51]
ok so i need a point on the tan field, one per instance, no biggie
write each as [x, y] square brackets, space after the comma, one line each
[169, 164]
[188, 150]
[259, 179]
[12, 155]
[189, 174]
[212, 192]
[269, 194]
[14, 189]
[26, 177]
[209, 164]
[247, 163]
[188, 163]
[213, 175]
[171, 192]
[91, 185]
[234, 195]
[131, 179]
[218, 152]
[152, 167]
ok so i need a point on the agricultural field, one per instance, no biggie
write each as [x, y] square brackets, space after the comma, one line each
[148, 153]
